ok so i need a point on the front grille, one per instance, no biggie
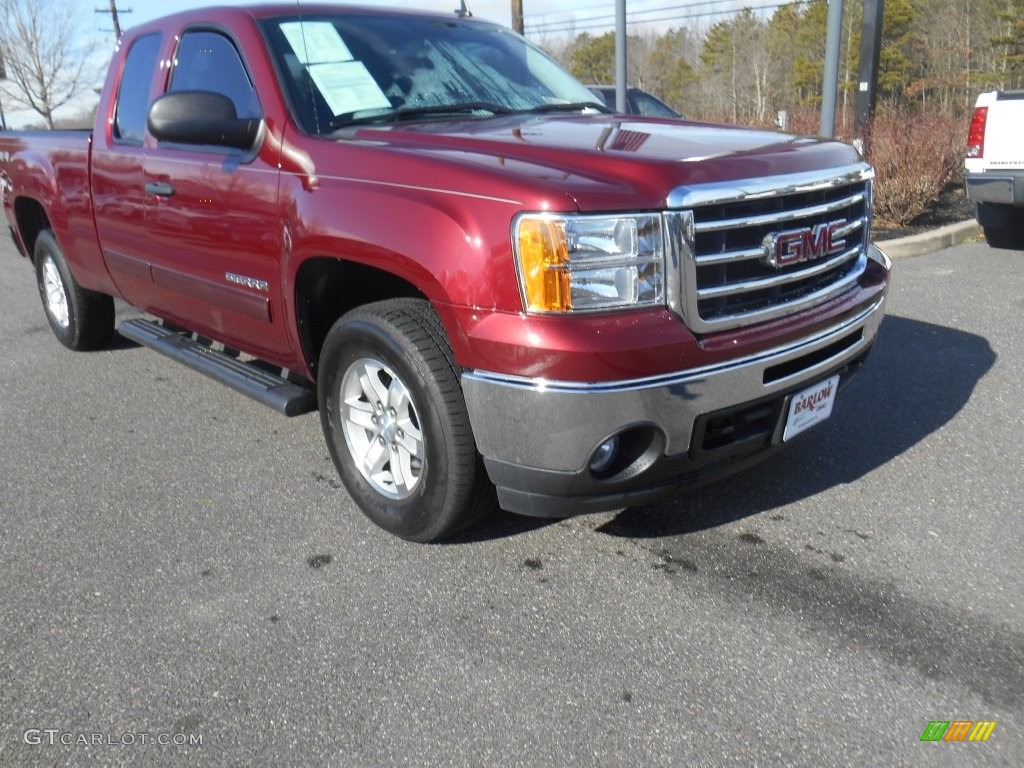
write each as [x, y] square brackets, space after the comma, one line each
[727, 244]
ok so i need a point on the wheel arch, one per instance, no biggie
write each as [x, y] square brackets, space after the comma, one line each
[328, 287]
[31, 219]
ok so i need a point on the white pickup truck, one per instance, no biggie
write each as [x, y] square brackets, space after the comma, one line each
[994, 167]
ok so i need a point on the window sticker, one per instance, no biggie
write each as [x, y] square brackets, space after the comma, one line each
[316, 42]
[347, 86]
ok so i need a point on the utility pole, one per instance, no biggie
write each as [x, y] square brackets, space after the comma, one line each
[517, 16]
[830, 82]
[113, 11]
[3, 76]
[621, 69]
[870, 51]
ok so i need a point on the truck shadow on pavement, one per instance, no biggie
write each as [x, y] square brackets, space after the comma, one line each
[916, 380]
[119, 342]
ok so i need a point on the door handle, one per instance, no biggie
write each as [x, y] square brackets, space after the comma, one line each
[159, 188]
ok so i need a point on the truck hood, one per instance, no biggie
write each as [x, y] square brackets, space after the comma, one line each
[607, 161]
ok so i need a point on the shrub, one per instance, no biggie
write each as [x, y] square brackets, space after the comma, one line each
[916, 153]
[916, 156]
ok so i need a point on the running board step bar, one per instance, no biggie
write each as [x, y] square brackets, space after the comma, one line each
[249, 378]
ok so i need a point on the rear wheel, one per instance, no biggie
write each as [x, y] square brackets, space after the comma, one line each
[1003, 225]
[395, 421]
[80, 319]
[1008, 236]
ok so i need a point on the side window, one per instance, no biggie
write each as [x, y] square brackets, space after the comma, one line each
[133, 95]
[645, 105]
[604, 97]
[208, 61]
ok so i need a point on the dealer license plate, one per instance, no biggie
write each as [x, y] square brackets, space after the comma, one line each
[811, 406]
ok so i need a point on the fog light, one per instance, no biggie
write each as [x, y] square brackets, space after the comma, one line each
[604, 455]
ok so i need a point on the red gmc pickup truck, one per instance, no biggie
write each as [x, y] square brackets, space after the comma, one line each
[493, 290]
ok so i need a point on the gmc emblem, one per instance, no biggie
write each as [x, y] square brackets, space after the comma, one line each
[784, 249]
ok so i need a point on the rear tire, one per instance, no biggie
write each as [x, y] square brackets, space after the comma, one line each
[1003, 225]
[1009, 236]
[80, 319]
[396, 424]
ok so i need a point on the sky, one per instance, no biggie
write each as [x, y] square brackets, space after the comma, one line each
[492, 10]
[544, 22]
[541, 18]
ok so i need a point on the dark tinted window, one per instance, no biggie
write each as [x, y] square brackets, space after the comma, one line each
[650, 106]
[208, 61]
[607, 96]
[133, 95]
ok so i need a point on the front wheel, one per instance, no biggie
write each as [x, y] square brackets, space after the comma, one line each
[395, 421]
[80, 319]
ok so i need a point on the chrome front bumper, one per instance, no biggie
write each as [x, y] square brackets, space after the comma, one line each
[538, 437]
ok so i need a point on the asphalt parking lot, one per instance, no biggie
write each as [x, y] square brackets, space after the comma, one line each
[184, 582]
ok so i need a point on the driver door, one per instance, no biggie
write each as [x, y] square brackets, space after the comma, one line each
[215, 235]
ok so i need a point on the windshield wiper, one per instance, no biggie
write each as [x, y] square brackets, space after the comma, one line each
[573, 106]
[412, 113]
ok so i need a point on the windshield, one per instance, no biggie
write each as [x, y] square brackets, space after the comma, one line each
[349, 68]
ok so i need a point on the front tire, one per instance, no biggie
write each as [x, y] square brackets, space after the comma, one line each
[396, 424]
[80, 319]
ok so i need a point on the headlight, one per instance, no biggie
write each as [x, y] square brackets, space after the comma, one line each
[580, 263]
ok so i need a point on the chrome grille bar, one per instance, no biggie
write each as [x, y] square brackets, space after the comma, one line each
[728, 257]
[747, 254]
[814, 269]
[721, 237]
[778, 217]
[810, 300]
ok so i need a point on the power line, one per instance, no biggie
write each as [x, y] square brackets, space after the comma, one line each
[634, 12]
[571, 25]
[632, 9]
[113, 11]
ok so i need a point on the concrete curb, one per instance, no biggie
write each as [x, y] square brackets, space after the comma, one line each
[926, 242]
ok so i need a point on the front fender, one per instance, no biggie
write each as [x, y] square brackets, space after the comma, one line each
[453, 251]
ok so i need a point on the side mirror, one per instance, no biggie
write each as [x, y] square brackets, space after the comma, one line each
[201, 117]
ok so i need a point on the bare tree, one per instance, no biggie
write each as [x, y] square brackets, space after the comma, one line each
[48, 60]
